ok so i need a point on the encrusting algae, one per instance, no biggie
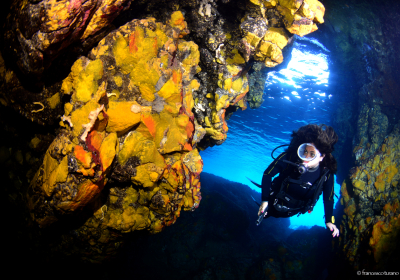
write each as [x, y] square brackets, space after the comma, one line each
[138, 143]
[371, 204]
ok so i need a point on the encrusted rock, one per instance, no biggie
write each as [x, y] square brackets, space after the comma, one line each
[371, 201]
[372, 127]
[37, 31]
[117, 130]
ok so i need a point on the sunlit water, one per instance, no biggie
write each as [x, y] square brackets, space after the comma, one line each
[295, 96]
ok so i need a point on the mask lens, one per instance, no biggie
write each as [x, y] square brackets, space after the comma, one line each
[307, 152]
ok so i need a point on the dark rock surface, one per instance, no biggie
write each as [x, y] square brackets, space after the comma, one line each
[37, 31]
[218, 241]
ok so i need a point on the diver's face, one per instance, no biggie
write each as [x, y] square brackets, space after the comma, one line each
[314, 156]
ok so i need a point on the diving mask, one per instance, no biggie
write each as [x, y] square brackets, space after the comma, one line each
[307, 152]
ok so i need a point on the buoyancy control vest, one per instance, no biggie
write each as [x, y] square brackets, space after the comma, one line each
[278, 195]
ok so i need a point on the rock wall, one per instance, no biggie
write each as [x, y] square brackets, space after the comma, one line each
[369, 128]
[371, 199]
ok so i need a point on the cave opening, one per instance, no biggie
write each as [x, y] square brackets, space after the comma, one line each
[299, 92]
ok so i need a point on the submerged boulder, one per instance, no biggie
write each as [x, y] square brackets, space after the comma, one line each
[127, 150]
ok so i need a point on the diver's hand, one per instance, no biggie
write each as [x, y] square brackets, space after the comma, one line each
[333, 228]
[263, 206]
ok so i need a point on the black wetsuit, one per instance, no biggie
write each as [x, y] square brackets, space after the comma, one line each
[292, 189]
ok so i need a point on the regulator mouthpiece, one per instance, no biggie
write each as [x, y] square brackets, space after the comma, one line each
[302, 169]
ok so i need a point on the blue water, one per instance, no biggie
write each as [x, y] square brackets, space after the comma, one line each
[294, 96]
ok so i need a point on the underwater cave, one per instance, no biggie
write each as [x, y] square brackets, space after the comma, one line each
[132, 131]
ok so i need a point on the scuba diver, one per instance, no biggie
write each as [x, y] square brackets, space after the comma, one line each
[305, 171]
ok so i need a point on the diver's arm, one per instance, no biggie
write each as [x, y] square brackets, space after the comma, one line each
[265, 190]
[328, 206]
[328, 198]
[274, 168]
[265, 187]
